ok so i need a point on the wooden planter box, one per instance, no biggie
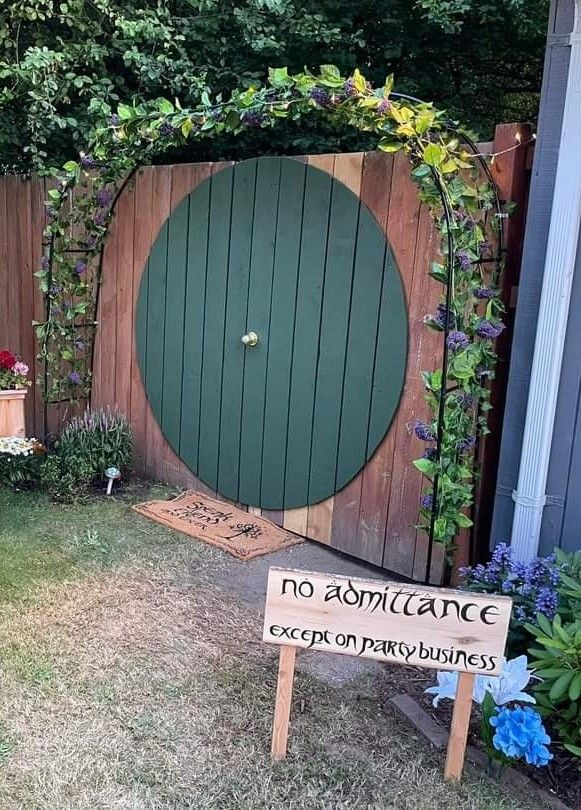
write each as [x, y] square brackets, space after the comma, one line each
[12, 413]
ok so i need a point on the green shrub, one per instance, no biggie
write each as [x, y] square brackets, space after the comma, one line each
[94, 441]
[20, 461]
[558, 662]
[66, 482]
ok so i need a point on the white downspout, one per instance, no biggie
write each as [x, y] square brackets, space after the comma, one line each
[562, 245]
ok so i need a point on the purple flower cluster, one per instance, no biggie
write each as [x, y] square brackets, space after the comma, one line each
[114, 120]
[349, 88]
[88, 162]
[457, 341]
[383, 106]
[466, 444]
[489, 330]
[45, 263]
[253, 119]
[423, 431]
[80, 267]
[166, 129]
[320, 96]
[532, 585]
[427, 501]
[439, 319]
[484, 293]
[466, 401]
[100, 217]
[464, 259]
[103, 197]
[74, 377]
[430, 453]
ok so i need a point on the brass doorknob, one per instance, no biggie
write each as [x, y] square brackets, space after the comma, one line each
[250, 339]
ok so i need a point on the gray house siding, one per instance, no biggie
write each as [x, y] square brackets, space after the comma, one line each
[562, 517]
[534, 250]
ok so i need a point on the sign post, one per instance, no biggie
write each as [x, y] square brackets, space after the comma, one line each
[390, 622]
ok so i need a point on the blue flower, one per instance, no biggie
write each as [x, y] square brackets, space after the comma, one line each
[427, 500]
[320, 96]
[520, 734]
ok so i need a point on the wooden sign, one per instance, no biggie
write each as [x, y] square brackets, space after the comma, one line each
[394, 622]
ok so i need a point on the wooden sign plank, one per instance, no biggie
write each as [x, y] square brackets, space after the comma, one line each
[388, 621]
[392, 622]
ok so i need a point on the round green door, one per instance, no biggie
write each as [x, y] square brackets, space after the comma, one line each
[272, 333]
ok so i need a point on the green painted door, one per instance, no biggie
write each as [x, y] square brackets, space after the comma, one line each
[280, 249]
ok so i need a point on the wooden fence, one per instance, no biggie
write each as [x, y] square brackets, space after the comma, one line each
[373, 517]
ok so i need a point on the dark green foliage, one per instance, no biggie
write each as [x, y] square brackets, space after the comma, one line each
[63, 66]
[66, 480]
[91, 443]
[558, 662]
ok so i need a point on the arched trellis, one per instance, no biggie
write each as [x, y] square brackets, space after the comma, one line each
[453, 179]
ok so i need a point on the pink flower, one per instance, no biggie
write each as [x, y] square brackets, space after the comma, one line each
[20, 368]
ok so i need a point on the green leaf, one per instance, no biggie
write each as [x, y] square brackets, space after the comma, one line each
[165, 106]
[433, 154]
[425, 466]
[125, 112]
[545, 624]
[575, 687]
[187, 127]
[463, 521]
[389, 146]
[71, 166]
[559, 688]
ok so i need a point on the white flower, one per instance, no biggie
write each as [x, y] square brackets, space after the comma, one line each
[504, 688]
[17, 446]
[448, 683]
[509, 685]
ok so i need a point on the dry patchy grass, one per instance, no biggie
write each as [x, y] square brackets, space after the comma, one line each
[122, 686]
[129, 691]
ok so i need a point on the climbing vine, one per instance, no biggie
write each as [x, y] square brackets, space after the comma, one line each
[450, 180]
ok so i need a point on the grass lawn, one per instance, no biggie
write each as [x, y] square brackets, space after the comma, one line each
[127, 682]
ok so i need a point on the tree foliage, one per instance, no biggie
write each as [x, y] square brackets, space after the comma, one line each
[65, 65]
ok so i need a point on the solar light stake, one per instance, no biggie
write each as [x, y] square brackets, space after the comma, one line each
[111, 473]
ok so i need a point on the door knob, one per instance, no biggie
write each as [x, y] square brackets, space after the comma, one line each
[249, 339]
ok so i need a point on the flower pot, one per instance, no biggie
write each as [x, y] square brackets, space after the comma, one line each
[12, 412]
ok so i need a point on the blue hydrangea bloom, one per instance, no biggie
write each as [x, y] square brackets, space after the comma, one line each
[520, 734]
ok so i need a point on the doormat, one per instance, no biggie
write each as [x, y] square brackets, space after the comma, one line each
[240, 533]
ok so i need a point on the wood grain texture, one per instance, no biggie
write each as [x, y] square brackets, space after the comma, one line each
[282, 706]
[459, 728]
[373, 515]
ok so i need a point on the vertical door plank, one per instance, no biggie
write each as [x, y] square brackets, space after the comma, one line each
[173, 335]
[282, 326]
[125, 217]
[106, 339]
[161, 202]
[305, 344]
[258, 319]
[376, 475]
[337, 286]
[213, 340]
[363, 332]
[142, 235]
[38, 313]
[423, 352]
[241, 231]
[194, 321]
[6, 277]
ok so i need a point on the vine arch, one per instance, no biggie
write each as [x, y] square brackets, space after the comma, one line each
[453, 180]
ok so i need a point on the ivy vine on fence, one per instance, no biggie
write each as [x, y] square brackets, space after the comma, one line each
[451, 182]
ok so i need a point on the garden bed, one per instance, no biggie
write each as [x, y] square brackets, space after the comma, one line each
[561, 778]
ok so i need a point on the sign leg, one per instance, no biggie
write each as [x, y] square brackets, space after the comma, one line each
[282, 706]
[459, 728]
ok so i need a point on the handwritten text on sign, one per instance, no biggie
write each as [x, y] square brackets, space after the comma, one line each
[389, 621]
